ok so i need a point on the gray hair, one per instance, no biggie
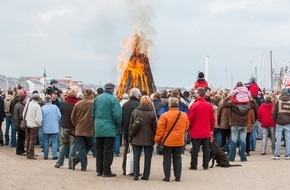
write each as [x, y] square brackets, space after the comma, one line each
[135, 92]
[47, 99]
[173, 102]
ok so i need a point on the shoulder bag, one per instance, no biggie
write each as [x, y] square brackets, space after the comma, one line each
[160, 146]
[23, 125]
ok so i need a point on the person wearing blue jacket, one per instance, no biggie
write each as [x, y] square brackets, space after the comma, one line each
[107, 116]
[50, 126]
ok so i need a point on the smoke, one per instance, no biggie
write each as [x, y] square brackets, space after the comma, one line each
[142, 13]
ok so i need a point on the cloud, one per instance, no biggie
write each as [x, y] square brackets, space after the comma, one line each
[49, 15]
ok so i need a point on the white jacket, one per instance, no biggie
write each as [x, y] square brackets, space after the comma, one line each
[33, 115]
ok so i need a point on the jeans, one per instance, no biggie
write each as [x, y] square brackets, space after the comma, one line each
[218, 137]
[83, 146]
[31, 139]
[226, 135]
[205, 150]
[54, 143]
[117, 144]
[266, 131]
[105, 154]
[279, 130]
[40, 137]
[13, 132]
[237, 133]
[62, 153]
[175, 154]
[148, 151]
[253, 137]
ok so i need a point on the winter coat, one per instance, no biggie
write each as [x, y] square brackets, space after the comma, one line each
[50, 118]
[107, 115]
[182, 107]
[281, 110]
[17, 115]
[145, 135]
[265, 114]
[253, 88]
[202, 119]
[241, 94]
[176, 136]
[127, 110]
[239, 113]
[200, 83]
[33, 115]
[66, 110]
[81, 117]
[223, 116]
[157, 105]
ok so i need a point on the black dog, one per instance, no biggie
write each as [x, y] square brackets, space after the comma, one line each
[216, 153]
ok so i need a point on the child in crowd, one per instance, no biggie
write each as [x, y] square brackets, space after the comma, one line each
[240, 95]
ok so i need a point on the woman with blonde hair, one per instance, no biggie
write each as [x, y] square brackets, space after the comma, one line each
[172, 124]
[142, 135]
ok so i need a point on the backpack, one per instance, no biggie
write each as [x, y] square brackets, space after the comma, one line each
[7, 103]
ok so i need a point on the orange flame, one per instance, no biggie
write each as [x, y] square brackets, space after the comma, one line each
[136, 72]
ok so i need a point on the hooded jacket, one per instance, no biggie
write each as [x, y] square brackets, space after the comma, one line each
[241, 94]
[202, 119]
[239, 113]
[265, 114]
[281, 110]
[200, 83]
[107, 115]
[81, 117]
[146, 133]
[176, 136]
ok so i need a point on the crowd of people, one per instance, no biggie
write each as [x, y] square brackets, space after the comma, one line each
[74, 124]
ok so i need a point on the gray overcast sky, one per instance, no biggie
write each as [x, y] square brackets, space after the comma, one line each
[84, 38]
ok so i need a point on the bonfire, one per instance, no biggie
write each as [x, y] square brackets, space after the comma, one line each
[137, 72]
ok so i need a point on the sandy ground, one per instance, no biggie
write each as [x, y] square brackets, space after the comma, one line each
[260, 172]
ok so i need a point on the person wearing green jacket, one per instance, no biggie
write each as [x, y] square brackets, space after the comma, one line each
[107, 116]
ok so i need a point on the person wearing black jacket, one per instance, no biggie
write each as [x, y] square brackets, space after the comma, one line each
[127, 110]
[17, 118]
[2, 116]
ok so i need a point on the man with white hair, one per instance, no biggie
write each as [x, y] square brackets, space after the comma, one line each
[127, 109]
[33, 120]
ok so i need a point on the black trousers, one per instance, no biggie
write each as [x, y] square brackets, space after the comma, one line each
[205, 150]
[175, 154]
[148, 150]
[248, 142]
[226, 135]
[125, 156]
[20, 141]
[105, 154]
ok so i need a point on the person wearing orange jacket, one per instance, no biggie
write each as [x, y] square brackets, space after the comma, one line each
[175, 140]
[202, 121]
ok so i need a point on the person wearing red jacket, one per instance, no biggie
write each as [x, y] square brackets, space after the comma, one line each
[200, 82]
[202, 121]
[267, 123]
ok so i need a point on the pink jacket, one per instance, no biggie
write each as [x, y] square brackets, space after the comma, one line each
[241, 93]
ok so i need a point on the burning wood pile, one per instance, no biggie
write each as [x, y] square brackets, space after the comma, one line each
[137, 73]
